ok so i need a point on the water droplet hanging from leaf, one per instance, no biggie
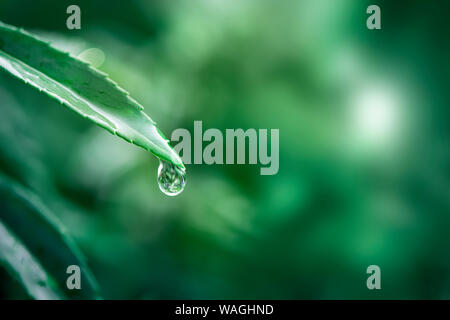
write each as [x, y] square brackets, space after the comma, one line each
[171, 179]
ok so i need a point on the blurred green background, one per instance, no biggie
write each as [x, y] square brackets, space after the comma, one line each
[364, 147]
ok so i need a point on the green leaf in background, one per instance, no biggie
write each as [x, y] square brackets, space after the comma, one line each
[81, 88]
[24, 267]
[35, 247]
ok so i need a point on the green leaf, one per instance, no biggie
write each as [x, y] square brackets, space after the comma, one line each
[82, 88]
[18, 260]
[36, 248]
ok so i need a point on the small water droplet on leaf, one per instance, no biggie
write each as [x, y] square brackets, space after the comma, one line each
[171, 179]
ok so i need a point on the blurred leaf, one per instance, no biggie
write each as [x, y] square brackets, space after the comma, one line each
[37, 248]
[23, 266]
[81, 88]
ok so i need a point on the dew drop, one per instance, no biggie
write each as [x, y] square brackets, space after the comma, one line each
[171, 179]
